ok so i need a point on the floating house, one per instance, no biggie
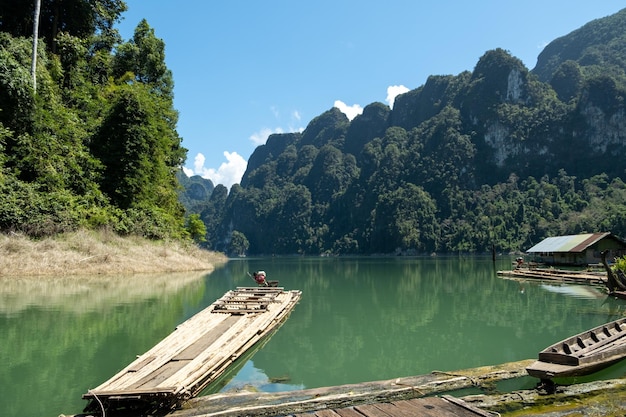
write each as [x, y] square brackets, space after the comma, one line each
[577, 250]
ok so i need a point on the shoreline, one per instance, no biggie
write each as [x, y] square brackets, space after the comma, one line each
[87, 252]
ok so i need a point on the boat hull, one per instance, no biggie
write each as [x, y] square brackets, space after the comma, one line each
[582, 354]
[546, 370]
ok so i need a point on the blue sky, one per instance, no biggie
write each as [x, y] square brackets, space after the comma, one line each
[245, 69]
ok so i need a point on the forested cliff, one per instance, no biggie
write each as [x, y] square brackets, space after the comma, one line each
[498, 156]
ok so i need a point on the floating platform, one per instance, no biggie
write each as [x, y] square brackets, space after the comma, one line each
[558, 275]
[196, 353]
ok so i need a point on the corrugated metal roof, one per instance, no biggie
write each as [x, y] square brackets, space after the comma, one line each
[570, 243]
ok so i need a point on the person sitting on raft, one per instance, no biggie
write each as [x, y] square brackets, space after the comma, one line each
[259, 277]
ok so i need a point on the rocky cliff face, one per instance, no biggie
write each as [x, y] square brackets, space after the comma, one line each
[565, 114]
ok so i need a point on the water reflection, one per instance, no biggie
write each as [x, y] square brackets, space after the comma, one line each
[577, 291]
[62, 336]
[80, 294]
[251, 377]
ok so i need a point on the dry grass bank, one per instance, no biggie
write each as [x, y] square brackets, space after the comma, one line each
[90, 252]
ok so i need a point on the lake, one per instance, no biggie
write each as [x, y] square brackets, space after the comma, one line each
[359, 319]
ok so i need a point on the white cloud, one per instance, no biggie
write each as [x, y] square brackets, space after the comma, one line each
[393, 91]
[260, 137]
[188, 172]
[296, 115]
[229, 172]
[350, 111]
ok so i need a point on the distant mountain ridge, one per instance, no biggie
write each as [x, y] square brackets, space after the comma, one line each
[410, 179]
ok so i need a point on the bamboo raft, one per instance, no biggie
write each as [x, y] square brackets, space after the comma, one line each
[559, 275]
[196, 353]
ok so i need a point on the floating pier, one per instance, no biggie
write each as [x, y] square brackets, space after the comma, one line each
[196, 353]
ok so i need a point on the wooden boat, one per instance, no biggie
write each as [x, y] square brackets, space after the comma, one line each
[582, 354]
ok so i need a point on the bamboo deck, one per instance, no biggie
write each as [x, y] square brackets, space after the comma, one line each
[560, 275]
[197, 352]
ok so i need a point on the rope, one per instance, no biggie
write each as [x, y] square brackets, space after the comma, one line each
[473, 380]
[99, 402]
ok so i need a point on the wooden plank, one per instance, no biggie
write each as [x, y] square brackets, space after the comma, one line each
[139, 365]
[327, 413]
[411, 408]
[184, 334]
[376, 410]
[385, 410]
[200, 345]
[348, 412]
[462, 404]
[153, 380]
[426, 407]
[244, 301]
[261, 289]
[143, 391]
[435, 407]
[422, 408]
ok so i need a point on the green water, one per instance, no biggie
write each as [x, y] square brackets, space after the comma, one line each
[359, 319]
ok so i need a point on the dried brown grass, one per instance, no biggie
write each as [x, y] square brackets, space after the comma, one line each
[101, 252]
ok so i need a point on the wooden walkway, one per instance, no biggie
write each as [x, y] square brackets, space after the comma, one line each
[446, 406]
[196, 353]
[344, 399]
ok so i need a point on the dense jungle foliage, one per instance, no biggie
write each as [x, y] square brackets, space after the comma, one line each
[93, 144]
[498, 157]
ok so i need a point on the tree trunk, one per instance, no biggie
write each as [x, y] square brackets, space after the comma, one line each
[33, 68]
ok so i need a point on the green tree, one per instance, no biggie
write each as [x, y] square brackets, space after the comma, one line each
[404, 220]
[17, 100]
[238, 244]
[139, 151]
[144, 57]
[196, 228]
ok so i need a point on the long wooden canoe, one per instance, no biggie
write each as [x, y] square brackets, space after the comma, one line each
[196, 353]
[583, 353]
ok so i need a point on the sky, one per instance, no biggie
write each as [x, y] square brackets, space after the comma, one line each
[244, 69]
